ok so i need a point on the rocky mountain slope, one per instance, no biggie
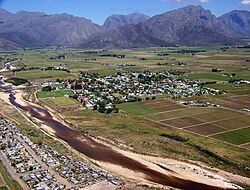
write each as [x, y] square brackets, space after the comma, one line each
[238, 22]
[191, 25]
[116, 21]
[29, 29]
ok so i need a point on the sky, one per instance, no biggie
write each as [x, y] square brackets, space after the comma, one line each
[99, 10]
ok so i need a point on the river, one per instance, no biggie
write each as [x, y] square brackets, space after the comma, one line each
[100, 152]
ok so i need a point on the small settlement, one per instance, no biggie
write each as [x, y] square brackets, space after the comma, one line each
[43, 168]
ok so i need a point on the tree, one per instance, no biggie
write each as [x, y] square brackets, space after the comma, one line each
[47, 89]
[95, 107]
[102, 107]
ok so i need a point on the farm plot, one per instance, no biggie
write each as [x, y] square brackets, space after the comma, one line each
[219, 123]
[178, 113]
[238, 100]
[234, 123]
[149, 107]
[218, 114]
[227, 104]
[169, 108]
[233, 103]
[205, 129]
[136, 108]
[163, 105]
[237, 137]
[245, 98]
[182, 122]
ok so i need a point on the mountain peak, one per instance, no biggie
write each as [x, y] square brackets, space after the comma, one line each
[4, 13]
[237, 21]
[26, 13]
[117, 20]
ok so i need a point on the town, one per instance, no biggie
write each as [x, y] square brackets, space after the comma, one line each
[103, 93]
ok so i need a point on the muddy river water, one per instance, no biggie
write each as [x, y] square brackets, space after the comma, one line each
[100, 152]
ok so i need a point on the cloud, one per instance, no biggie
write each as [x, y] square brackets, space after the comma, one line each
[245, 2]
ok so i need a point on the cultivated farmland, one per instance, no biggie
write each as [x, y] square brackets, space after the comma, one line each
[219, 123]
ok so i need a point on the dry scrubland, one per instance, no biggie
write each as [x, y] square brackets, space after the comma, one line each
[217, 136]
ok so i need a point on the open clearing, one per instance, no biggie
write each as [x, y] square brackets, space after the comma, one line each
[59, 93]
[136, 108]
[38, 74]
[64, 101]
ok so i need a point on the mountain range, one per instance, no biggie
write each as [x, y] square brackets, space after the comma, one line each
[190, 25]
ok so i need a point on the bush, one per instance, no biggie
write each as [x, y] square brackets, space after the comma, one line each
[47, 89]
[17, 81]
[102, 106]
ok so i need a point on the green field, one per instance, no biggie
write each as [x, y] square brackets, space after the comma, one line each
[237, 137]
[136, 108]
[230, 61]
[64, 101]
[208, 76]
[38, 74]
[60, 93]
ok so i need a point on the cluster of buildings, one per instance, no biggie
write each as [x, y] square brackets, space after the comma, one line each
[76, 172]
[131, 87]
[27, 167]
[41, 180]
[198, 103]
[43, 168]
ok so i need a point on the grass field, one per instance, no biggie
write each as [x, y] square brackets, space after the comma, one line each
[230, 61]
[208, 76]
[38, 74]
[12, 184]
[64, 101]
[60, 93]
[136, 108]
[237, 137]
